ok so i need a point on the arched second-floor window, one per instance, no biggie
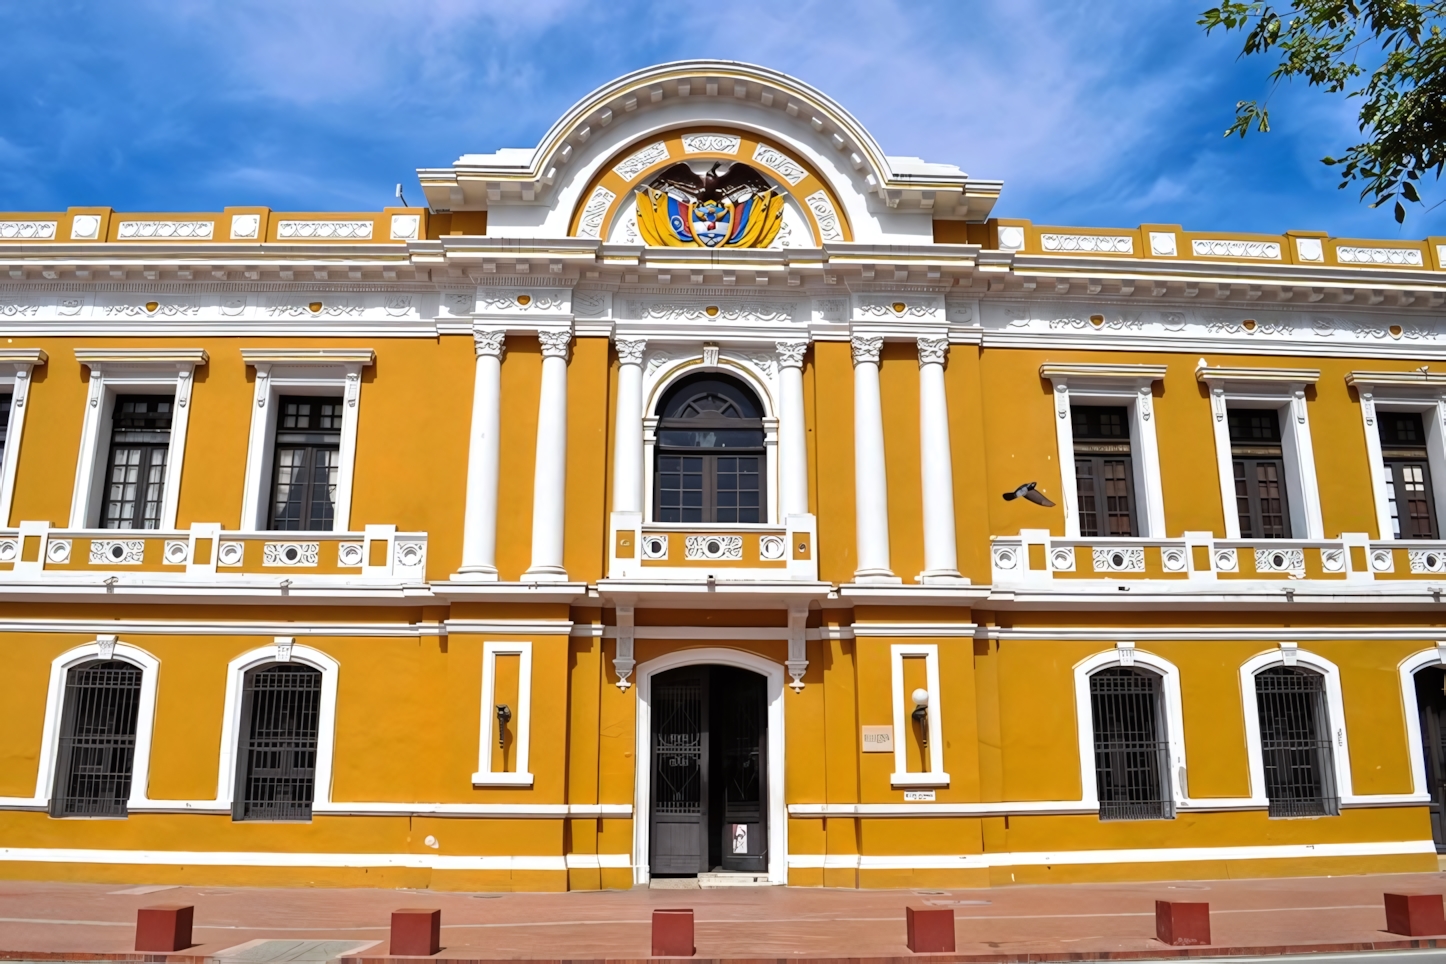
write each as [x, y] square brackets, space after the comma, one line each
[280, 723]
[1132, 749]
[97, 739]
[710, 460]
[1295, 742]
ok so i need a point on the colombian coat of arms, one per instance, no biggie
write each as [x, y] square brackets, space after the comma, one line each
[727, 206]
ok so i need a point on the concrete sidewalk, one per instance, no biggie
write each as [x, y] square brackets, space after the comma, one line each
[1076, 921]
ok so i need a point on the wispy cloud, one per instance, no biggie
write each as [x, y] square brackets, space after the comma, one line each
[1091, 113]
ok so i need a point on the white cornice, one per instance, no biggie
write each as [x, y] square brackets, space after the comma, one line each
[1229, 377]
[1411, 379]
[1102, 373]
[308, 356]
[100, 358]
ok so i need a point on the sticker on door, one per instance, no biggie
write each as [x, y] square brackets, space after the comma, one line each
[740, 838]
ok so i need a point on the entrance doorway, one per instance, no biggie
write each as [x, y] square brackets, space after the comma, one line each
[709, 756]
[1431, 702]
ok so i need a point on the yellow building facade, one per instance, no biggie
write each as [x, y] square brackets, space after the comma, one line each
[633, 509]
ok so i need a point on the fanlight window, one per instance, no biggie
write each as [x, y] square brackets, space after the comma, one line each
[709, 455]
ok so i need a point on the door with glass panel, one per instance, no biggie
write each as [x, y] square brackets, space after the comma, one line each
[1259, 466]
[1104, 470]
[1407, 475]
[135, 481]
[307, 462]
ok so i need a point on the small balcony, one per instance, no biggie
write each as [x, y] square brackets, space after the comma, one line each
[723, 553]
[1353, 565]
[36, 557]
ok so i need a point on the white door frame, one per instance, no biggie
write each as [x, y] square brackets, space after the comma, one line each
[642, 757]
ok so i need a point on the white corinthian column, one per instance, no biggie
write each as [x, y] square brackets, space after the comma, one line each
[549, 479]
[871, 487]
[941, 562]
[628, 453]
[792, 439]
[479, 524]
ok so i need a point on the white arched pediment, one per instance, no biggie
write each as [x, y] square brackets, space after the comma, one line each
[541, 191]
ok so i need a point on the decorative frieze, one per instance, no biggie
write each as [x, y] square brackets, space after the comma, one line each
[711, 143]
[165, 230]
[828, 224]
[324, 230]
[406, 226]
[1118, 558]
[590, 224]
[1309, 249]
[27, 230]
[713, 548]
[85, 227]
[245, 227]
[641, 159]
[290, 553]
[1225, 248]
[1290, 561]
[1088, 243]
[1426, 560]
[117, 552]
[780, 163]
[1392, 257]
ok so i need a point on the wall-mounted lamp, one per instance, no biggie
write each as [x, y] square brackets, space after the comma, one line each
[504, 716]
[921, 714]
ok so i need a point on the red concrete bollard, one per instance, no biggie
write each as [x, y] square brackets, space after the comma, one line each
[416, 932]
[931, 930]
[673, 933]
[165, 928]
[1415, 915]
[1179, 922]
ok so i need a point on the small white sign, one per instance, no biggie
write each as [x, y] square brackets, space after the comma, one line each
[918, 796]
[878, 739]
[740, 838]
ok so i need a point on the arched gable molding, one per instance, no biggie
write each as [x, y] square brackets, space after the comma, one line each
[1127, 656]
[282, 651]
[1288, 654]
[102, 647]
[1409, 667]
[642, 792]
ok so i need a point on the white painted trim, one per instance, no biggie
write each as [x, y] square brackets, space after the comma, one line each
[1340, 748]
[642, 758]
[935, 776]
[112, 373]
[1206, 633]
[250, 858]
[1411, 709]
[297, 372]
[54, 706]
[521, 720]
[231, 718]
[1151, 855]
[21, 364]
[599, 861]
[1171, 704]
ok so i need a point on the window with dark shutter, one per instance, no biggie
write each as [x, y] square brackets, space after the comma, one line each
[276, 762]
[1103, 470]
[1295, 742]
[135, 483]
[1259, 466]
[1132, 753]
[97, 740]
[5, 399]
[709, 461]
[1407, 475]
[306, 463]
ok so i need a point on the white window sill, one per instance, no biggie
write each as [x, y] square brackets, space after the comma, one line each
[501, 779]
[919, 780]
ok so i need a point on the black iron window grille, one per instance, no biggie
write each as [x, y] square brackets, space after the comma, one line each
[710, 455]
[280, 715]
[307, 463]
[1407, 475]
[135, 484]
[1295, 743]
[1103, 470]
[97, 740]
[1132, 753]
[1259, 469]
[678, 747]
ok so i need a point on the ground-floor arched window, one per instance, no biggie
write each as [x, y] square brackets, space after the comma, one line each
[97, 739]
[1295, 742]
[276, 765]
[1132, 750]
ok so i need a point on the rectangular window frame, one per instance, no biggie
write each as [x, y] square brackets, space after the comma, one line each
[107, 468]
[903, 707]
[521, 716]
[115, 372]
[17, 365]
[1378, 393]
[307, 484]
[1282, 390]
[768, 480]
[317, 371]
[1130, 386]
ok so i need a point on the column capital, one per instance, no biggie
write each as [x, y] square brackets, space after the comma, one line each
[866, 348]
[630, 350]
[932, 351]
[790, 353]
[490, 341]
[555, 344]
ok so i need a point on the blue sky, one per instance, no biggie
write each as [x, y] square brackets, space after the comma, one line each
[1107, 114]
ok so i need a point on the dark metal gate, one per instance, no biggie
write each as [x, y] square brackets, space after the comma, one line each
[97, 740]
[742, 704]
[1295, 743]
[276, 778]
[1431, 703]
[680, 772]
[1132, 754]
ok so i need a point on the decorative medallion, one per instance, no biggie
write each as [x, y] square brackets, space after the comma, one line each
[726, 206]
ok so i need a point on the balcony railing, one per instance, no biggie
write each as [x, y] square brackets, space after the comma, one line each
[727, 552]
[1034, 557]
[35, 552]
